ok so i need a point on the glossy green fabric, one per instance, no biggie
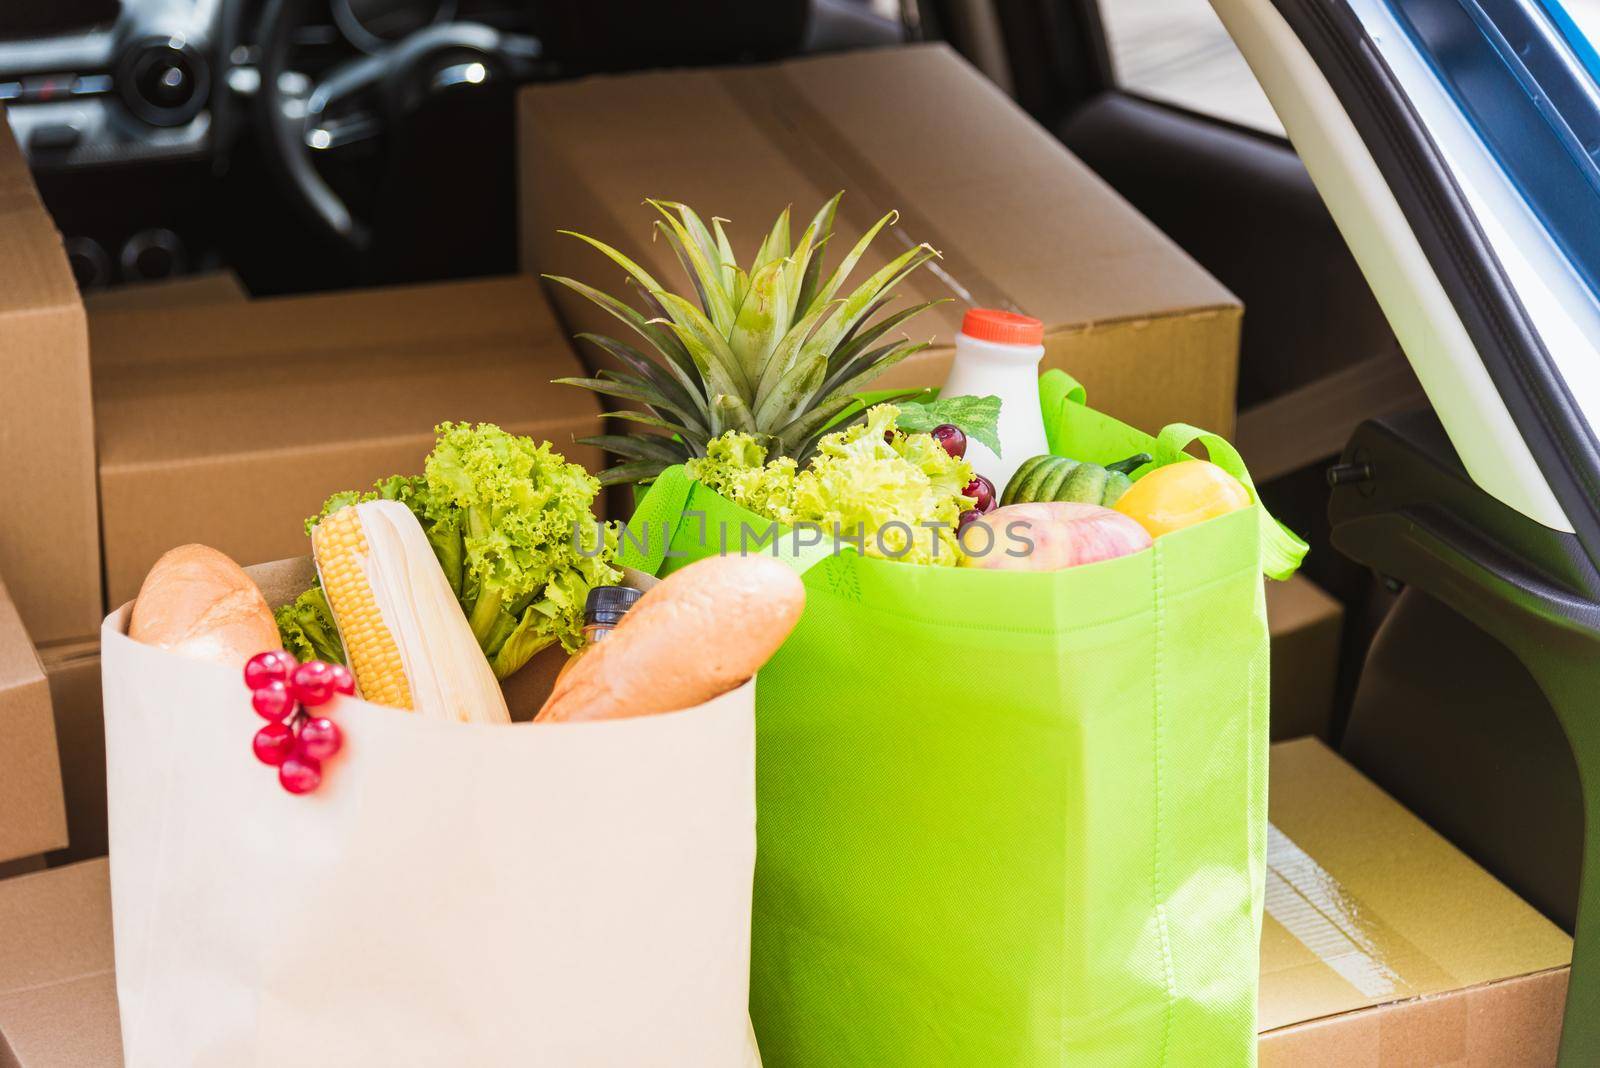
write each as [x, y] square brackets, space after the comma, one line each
[1009, 818]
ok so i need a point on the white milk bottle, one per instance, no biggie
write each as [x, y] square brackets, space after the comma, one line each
[998, 354]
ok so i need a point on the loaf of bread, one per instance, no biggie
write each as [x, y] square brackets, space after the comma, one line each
[198, 603]
[699, 633]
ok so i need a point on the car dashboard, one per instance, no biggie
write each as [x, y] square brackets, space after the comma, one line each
[155, 79]
[145, 101]
[138, 85]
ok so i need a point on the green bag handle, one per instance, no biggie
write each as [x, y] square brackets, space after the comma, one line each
[649, 533]
[1057, 389]
[1281, 549]
[644, 541]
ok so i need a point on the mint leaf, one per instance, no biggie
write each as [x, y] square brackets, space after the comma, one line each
[978, 417]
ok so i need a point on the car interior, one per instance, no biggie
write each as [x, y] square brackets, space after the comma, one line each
[323, 145]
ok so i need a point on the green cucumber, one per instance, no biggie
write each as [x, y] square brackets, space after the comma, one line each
[1086, 486]
[1059, 478]
[1117, 483]
[1024, 478]
[1057, 474]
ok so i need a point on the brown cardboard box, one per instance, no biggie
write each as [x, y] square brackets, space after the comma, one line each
[1306, 625]
[1021, 222]
[73, 671]
[32, 819]
[229, 422]
[1384, 946]
[49, 543]
[58, 995]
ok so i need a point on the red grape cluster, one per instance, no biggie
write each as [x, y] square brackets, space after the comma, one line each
[282, 691]
[980, 490]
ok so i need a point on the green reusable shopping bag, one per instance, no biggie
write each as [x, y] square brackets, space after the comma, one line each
[1010, 818]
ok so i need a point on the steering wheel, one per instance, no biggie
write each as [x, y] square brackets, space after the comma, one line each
[363, 97]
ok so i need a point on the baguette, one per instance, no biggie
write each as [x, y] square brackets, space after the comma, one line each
[198, 603]
[699, 633]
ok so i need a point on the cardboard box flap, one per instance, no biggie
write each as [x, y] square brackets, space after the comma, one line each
[58, 995]
[1515, 1022]
[991, 226]
[798, 132]
[55, 926]
[73, 672]
[49, 541]
[357, 367]
[420, 317]
[19, 664]
[1366, 905]
[67, 1025]
[37, 273]
[32, 807]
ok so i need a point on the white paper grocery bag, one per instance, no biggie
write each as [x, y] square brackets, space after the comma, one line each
[452, 895]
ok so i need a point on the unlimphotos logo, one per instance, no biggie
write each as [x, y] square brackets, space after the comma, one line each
[892, 540]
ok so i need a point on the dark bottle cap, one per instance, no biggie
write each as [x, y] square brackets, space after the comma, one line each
[607, 605]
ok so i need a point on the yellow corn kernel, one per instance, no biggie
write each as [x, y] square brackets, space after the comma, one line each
[374, 658]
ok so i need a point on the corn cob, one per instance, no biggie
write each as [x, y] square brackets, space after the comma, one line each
[405, 637]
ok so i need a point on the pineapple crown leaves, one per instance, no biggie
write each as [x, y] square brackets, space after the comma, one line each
[776, 349]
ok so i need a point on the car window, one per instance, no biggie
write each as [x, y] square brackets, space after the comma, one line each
[1178, 52]
[1509, 121]
[1579, 22]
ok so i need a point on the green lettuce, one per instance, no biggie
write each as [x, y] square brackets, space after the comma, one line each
[512, 525]
[735, 466]
[306, 626]
[900, 493]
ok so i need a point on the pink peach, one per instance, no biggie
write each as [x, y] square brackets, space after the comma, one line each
[1049, 536]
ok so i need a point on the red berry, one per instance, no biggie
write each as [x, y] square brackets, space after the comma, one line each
[300, 774]
[274, 743]
[312, 683]
[980, 490]
[952, 438]
[320, 738]
[273, 665]
[343, 681]
[272, 701]
[967, 517]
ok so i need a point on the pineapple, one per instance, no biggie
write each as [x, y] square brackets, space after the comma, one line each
[776, 351]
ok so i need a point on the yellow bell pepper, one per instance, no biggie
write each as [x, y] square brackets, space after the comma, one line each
[1180, 495]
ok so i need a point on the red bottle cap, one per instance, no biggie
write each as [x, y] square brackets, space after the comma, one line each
[1007, 328]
